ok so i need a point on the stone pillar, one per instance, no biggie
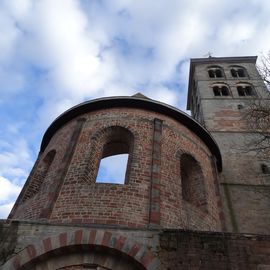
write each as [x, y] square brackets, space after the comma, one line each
[154, 213]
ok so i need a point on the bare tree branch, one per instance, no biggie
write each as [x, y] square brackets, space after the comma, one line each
[258, 115]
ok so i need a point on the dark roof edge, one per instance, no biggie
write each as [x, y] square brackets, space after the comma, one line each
[215, 60]
[133, 102]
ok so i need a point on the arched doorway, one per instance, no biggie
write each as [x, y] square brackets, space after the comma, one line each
[85, 258]
[91, 249]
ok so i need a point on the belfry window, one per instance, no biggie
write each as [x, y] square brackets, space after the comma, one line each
[192, 180]
[221, 90]
[115, 157]
[265, 169]
[238, 72]
[215, 72]
[245, 90]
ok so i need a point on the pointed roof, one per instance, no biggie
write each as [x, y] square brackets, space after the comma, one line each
[140, 95]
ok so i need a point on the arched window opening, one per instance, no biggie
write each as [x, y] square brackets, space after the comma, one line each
[39, 175]
[245, 90]
[216, 91]
[211, 73]
[265, 169]
[221, 90]
[224, 91]
[215, 72]
[238, 72]
[192, 180]
[116, 156]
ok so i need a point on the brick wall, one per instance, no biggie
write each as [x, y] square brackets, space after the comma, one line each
[31, 208]
[26, 245]
[197, 250]
[45, 246]
[152, 194]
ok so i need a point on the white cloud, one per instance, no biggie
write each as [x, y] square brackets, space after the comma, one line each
[18, 8]
[75, 42]
[11, 82]
[15, 161]
[61, 29]
[9, 35]
[66, 51]
[8, 190]
[69, 40]
[5, 210]
[160, 92]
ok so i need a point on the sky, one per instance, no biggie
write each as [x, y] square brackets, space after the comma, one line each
[55, 54]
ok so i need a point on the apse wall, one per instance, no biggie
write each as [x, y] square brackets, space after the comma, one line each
[170, 182]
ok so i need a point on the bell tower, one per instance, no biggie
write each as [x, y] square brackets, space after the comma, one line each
[221, 90]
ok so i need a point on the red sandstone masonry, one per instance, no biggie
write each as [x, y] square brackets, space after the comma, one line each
[63, 239]
[78, 237]
[137, 251]
[31, 251]
[47, 244]
[154, 218]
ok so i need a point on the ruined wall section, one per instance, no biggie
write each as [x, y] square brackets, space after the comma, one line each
[42, 246]
[198, 250]
[152, 194]
[30, 208]
[176, 142]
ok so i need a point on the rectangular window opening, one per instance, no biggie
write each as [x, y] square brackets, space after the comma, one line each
[241, 72]
[234, 73]
[112, 169]
[211, 73]
[219, 73]
[241, 91]
[224, 91]
[216, 91]
[248, 91]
